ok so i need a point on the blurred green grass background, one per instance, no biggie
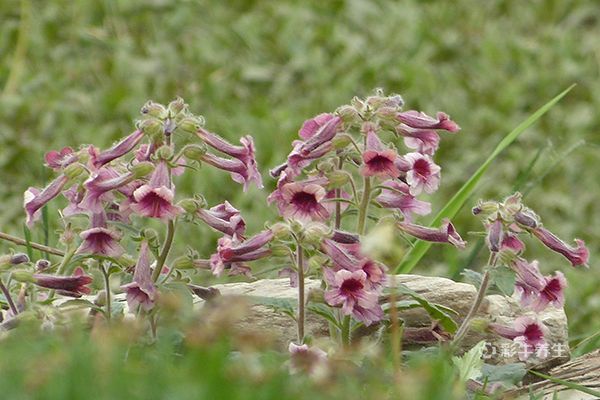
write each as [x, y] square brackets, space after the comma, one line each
[75, 72]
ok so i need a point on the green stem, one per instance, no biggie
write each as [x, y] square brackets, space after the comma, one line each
[346, 333]
[301, 312]
[37, 246]
[63, 266]
[165, 250]
[107, 289]
[9, 299]
[364, 206]
[485, 283]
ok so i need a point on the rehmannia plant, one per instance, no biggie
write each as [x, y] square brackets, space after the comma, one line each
[367, 161]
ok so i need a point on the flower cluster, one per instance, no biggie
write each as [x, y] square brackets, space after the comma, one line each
[132, 182]
[506, 224]
[391, 151]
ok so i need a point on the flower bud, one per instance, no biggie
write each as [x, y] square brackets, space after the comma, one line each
[19, 258]
[189, 205]
[341, 141]
[337, 179]
[42, 265]
[142, 169]
[150, 235]
[190, 124]
[194, 152]
[279, 250]
[154, 110]
[74, 170]
[280, 230]
[164, 153]
[183, 262]
[177, 106]
[314, 232]
[317, 262]
[151, 127]
[22, 276]
[316, 296]
[326, 166]
[485, 208]
[348, 114]
[527, 219]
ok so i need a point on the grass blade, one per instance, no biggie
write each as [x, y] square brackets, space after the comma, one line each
[414, 255]
[568, 384]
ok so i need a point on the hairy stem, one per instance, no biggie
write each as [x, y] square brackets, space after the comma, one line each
[9, 299]
[346, 333]
[165, 250]
[37, 246]
[107, 289]
[485, 283]
[364, 206]
[301, 312]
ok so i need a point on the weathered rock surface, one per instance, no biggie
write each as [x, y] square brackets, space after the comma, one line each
[455, 295]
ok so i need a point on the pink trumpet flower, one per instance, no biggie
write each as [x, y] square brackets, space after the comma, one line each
[578, 255]
[398, 197]
[423, 174]
[72, 286]
[231, 252]
[420, 120]
[526, 332]
[100, 240]
[58, 160]
[224, 218]
[118, 150]
[377, 160]
[34, 199]
[240, 172]
[350, 290]
[446, 233]
[141, 291]
[155, 199]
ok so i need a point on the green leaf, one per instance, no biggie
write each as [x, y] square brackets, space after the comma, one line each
[76, 304]
[325, 312]
[508, 373]
[471, 363]
[568, 384]
[436, 311]
[286, 306]
[504, 279]
[27, 234]
[414, 255]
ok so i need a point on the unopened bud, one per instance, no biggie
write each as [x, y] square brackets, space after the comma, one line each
[194, 152]
[142, 169]
[337, 179]
[150, 235]
[485, 208]
[42, 265]
[317, 262]
[154, 110]
[326, 166]
[177, 106]
[341, 141]
[527, 219]
[74, 170]
[151, 127]
[316, 296]
[315, 232]
[164, 153]
[279, 250]
[348, 114]
[22, 276]
[19, 258]
[495, 236]
[190, 124]
[280, 230]
[189, 205]
[182, 262]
